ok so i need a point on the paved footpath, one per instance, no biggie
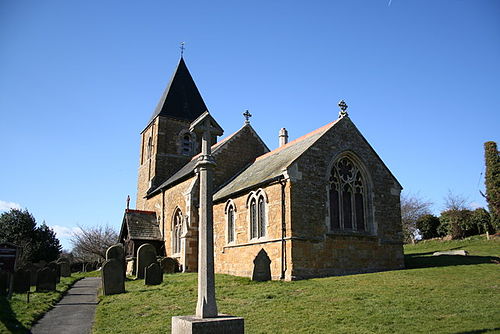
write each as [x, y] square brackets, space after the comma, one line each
[74, 314]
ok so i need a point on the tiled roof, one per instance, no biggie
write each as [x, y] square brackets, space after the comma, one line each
[188, 169]
[271, 165]
[140, 225]
[181, 99]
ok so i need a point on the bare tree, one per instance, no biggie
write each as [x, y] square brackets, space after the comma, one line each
[91, 243]
[412, 208]
[456, 217]
[455, 202]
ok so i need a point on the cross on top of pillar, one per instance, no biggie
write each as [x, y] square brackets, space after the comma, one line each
[343, 107]
[247, 116]
[182, 48]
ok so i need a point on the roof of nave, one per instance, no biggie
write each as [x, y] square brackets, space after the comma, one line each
[140, 225]
[188, 169]
[181, 99]
[271, 165]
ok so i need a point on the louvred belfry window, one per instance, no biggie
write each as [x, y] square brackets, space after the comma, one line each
[347, 197]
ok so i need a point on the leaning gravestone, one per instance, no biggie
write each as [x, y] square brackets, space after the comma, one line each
[46, 280]
[168, 265]
[57, 269]
[146, 254]
[113, 281]
[21, 281]
[262, 267]
[117, 252]
[153, 274]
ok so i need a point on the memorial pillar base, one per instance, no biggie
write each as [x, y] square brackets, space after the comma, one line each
[223, 324]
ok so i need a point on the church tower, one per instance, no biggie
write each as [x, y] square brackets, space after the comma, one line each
[166, 143]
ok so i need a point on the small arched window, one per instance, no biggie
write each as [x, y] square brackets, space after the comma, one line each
[149, 150]
[253, 219]
[177, 232]
[230, 223]
[187, 144]
[348, 200]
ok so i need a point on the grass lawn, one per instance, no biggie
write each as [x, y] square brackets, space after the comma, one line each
[437, 295]
[17, 316]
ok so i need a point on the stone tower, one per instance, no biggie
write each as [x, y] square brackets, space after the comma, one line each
[166, 143]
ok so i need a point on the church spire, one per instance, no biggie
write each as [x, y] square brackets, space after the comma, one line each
[181, 99]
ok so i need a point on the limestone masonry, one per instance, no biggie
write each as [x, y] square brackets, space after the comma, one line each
[323, 204]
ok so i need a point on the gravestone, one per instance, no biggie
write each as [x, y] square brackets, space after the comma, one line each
[46, 280]
[168, 265]
[57, 269]
[4, 282]
[261, 267]
[21, 281]
[113, 281]
[146, 254]
[460, 252]
[117, 252]
[64, 266]
[153, 274]
[33, 270]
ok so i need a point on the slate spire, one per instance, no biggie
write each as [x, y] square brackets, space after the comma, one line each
[181, 99]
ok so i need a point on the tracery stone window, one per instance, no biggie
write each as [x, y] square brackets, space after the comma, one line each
[177, 232]
[348, 196]
[257, 208]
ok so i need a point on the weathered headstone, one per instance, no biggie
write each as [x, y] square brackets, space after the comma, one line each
[46, 280]
[117, 252]
[64, 266]
[146, 254]
[153, 274]
[33, 270]
[113, 281]
[57, 269]
[21, 281]
[168, 265]
[261, 267]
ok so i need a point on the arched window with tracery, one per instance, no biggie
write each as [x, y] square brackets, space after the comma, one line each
[348, 196]
[257, 217]
[177, 232]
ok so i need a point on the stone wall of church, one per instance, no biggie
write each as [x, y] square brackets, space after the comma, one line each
[236, 258]
[318, 251]
[183, 197]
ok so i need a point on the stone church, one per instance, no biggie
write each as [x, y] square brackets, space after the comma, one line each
[323, 204]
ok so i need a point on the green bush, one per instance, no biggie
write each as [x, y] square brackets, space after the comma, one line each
[428, 226]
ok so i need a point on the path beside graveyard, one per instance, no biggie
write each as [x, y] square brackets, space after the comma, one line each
[74, 314]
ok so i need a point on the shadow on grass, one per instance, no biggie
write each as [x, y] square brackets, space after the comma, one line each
[8, 318]
[479, 331]
[426, 260]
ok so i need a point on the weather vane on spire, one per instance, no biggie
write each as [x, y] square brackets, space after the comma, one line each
[182, 48]
[247, 116]
[343, 107]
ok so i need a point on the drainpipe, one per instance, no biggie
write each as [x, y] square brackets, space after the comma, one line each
[283, 229]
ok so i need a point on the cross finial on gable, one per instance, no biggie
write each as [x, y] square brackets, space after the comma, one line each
[247, 116]
[182, 48]
[343, 107]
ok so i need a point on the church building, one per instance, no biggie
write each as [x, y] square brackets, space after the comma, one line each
[323, 204]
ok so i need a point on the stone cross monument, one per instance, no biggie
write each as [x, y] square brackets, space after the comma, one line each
[207, 318]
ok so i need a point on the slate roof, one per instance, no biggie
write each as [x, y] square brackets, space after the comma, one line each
[181, 99]
[271, 165]
[140, 225]
[188, 169]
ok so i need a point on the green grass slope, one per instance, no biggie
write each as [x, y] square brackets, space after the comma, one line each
[447, 295]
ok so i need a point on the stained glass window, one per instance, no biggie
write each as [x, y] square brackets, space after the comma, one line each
[347, 197]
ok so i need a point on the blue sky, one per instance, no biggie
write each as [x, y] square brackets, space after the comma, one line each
[80, 79]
